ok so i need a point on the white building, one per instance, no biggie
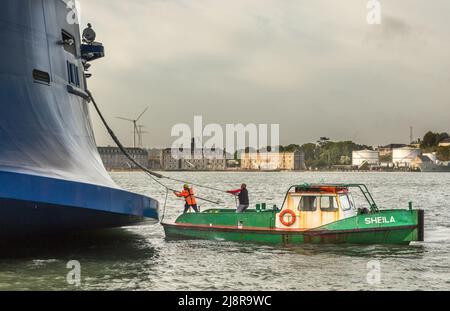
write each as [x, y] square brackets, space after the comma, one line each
[361, 157]
[114, 159]
[405, 157]
[272, 161]
[197, 160]
[445, 143]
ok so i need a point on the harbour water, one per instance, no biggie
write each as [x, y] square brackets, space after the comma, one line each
[140, 258]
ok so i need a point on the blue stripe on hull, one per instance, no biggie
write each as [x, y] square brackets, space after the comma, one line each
[75, 197]
[22, 218]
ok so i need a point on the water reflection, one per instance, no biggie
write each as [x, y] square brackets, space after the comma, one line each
[362, 251]
[99, 245]
[141, 258]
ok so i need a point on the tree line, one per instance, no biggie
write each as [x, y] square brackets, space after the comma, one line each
[430, 143]
[325, 153]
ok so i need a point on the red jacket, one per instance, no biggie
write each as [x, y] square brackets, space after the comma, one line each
[235, 191]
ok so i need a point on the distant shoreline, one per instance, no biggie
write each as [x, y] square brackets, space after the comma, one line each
[267, 171]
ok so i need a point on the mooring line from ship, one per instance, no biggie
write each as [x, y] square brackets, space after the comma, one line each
[150, 173]
[164, 207]
[197, 185]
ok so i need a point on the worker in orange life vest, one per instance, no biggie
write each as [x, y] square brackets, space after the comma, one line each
[189, 197]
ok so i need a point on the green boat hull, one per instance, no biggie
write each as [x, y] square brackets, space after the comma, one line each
[384, 227]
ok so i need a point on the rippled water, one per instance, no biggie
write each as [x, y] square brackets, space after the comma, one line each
[139, 258]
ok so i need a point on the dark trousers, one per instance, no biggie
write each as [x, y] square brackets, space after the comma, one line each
[187, 206]
[241, 208]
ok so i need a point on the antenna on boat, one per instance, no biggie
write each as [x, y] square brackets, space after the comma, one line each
[136, 128]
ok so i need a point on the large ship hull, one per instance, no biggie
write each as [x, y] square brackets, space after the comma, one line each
[26, 219]
[52, 178]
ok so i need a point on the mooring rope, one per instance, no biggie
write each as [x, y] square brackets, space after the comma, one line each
[151, 174]
[164, 207]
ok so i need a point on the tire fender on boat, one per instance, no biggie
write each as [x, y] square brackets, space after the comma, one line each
[292, 219]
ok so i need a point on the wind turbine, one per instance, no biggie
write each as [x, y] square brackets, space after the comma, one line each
[135, 126]
[140, 133]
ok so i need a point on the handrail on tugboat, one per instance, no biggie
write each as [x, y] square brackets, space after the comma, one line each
[362, 187]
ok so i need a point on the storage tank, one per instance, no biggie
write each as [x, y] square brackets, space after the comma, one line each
[431, 156]
[404, 157]
[365, 156]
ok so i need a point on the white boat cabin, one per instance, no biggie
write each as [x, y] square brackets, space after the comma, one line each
[307, 207]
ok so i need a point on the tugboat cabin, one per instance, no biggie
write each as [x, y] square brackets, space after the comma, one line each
[312, 206]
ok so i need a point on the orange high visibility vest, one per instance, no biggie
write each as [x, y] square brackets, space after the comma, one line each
[188, 196]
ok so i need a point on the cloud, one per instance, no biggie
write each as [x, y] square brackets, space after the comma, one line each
[392, 30]
[395, 28]
[315, 67]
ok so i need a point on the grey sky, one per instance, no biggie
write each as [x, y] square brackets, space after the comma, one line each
[315, 67]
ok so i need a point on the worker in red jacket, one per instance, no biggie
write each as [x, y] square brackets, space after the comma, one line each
[189, 197]
[242, 194]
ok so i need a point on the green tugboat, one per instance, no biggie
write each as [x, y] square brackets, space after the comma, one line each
[323, 213]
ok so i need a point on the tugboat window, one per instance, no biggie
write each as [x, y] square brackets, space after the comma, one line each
[41, 76]
[69, 42]
[308, 204]
[345, 203]
[351, 200]
[328, 203]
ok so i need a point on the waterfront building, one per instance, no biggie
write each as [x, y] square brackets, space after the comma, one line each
[154, 159]
[420, 161]
[299, 161]
[431, 156]
[233, 164]
[386, 151]
[114, 159]
[405, 157]
[272, 161]
[445, 143]
[193, 160]
[365, 157]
